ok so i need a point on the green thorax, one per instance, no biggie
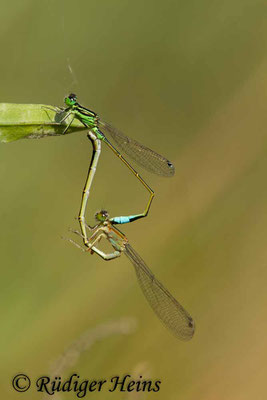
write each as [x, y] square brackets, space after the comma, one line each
[84, 115]
[87, 117]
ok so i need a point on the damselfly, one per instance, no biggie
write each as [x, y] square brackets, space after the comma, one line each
[147, 158]
[166, 307]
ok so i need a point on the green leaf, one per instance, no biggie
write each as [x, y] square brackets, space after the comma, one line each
[33, 121]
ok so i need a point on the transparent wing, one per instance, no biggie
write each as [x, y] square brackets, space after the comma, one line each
[167, 308]
[147, 158]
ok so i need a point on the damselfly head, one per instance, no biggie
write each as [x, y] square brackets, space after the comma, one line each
[102, 216]
[70, 100]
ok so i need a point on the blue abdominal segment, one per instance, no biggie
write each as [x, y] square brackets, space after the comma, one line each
[125, 220]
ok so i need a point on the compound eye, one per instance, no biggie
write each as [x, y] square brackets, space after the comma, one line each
[104, 213]
[72, 96]
[70, 100]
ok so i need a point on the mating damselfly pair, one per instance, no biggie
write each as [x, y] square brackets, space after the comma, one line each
[166, 307]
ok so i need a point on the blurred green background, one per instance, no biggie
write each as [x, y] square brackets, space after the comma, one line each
[189, 80]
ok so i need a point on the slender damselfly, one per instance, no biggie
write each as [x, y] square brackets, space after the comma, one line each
[147, 158]
[167, 308]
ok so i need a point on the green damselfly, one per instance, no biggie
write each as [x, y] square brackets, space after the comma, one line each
[166, 307]
[147, 158]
